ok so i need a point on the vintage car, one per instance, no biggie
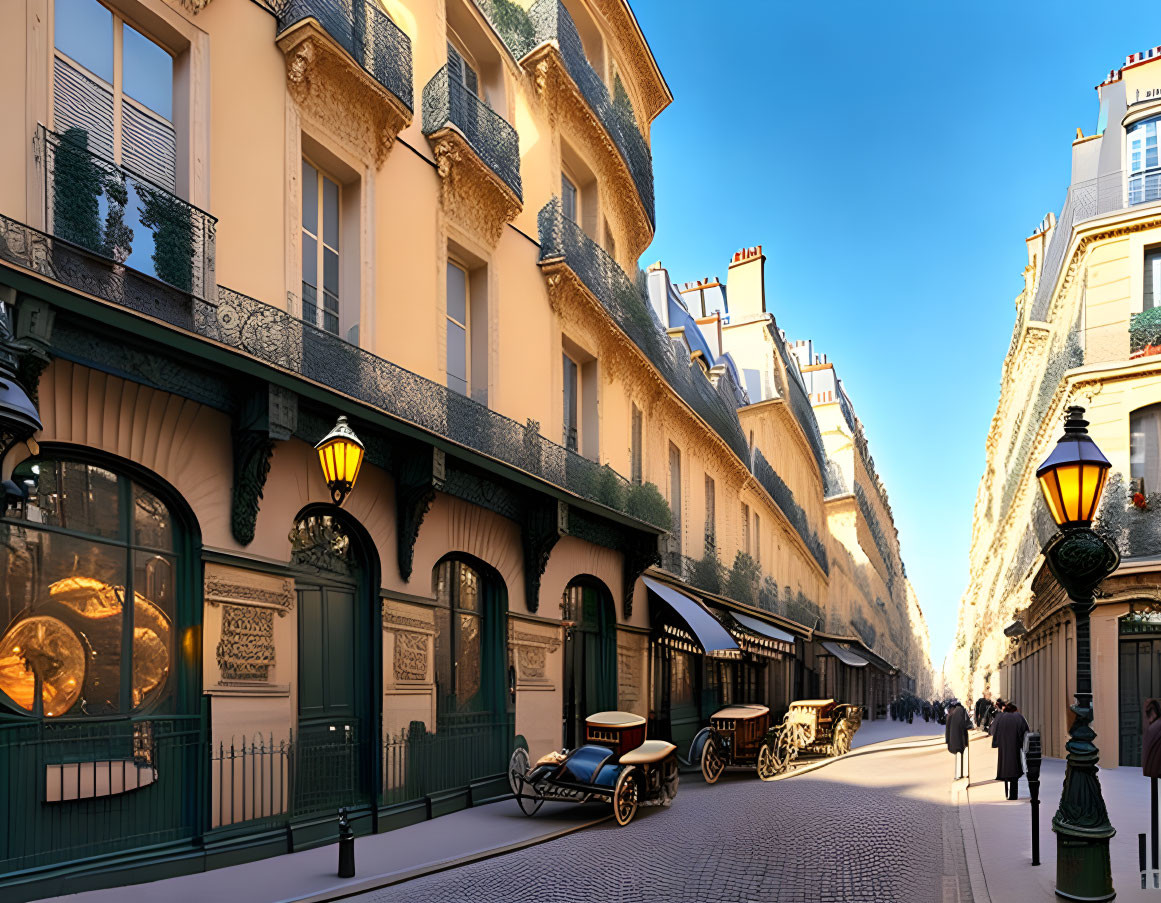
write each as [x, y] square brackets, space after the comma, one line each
[819, 727]
[738, 735]
[741, 735]
[616, 764]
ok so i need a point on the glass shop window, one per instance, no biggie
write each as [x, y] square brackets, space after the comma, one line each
[88, 598]
[458, 646]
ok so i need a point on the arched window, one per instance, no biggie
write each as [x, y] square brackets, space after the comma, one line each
[82, 543]
[470, 659]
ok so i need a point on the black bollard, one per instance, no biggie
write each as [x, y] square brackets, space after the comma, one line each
[1141, 860]
[1032, 757]
[346, 846]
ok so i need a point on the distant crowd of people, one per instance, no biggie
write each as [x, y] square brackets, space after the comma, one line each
[1001, 719]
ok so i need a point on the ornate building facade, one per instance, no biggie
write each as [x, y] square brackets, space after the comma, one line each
[1085, 333]
[224, 224]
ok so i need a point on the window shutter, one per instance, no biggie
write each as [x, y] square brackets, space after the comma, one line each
[148, 147]
[80, 102]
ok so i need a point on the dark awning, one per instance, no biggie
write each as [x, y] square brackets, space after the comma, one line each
[763, 629]
[845, 654]
[703, 627]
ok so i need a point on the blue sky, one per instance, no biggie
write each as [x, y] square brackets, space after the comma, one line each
[891, 159]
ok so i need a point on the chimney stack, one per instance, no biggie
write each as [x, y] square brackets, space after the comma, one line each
[747, 282]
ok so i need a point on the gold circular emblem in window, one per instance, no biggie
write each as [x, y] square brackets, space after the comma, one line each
[47, 646]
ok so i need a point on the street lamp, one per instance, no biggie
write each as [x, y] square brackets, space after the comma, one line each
[1072, 478]
[341, 454]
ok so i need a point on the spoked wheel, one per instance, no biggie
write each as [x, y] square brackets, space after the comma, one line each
[669, 780]
[768, 763]
[625, 796]
[842, 739]
[712, 763]
[518, 767]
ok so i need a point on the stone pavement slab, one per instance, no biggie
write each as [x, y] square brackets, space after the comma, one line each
[442, 842]
[888, 731]
[1003, 829]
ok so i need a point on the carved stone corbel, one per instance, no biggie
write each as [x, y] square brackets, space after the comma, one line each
[415, 486]
[268, 415]
[34, 321]
[544, 521]
[641, 551]
[472, 194]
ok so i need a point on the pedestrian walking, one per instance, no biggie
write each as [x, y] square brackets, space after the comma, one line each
[1008, 730]
[955, 734]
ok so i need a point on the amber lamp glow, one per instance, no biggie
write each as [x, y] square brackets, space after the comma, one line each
[340, 454]
[1073, 476]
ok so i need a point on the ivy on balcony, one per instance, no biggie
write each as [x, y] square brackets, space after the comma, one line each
[1145, 330]
[626, 302]
[784, 498]
[1135, 529]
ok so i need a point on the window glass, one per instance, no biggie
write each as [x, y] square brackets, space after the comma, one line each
[69, 570]
[568, 197]
[309, 198]
[1144, 162]
[330, 213]
[570, 403]
[458, 640]
[1145, 449]
[635, 440]
[457, 294]
[457, 358]
[1152, 293]
[84, 31]
[147, 73]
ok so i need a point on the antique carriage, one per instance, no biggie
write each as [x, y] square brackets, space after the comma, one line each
[738, 735]
[819, 727]
[616, 764]
[741, 735]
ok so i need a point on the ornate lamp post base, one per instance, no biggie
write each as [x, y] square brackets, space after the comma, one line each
[1082, 868]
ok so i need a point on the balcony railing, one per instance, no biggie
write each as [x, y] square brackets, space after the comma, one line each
[784, 498]
[116, 214]
[877, 534]
[272, 335]
[549, 22]
[561, 238]
[365, 32]
[447, 102]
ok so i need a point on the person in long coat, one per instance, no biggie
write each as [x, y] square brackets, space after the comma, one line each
[955, 733]
[1008, 732]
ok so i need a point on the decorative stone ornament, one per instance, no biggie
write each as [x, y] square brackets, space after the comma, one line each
[472, 195]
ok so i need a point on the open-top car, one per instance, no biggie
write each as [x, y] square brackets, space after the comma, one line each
[738, 735]
[616, 764]
[819, 727]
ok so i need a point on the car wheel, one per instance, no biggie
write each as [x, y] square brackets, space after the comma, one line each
[625, 796]
[712, 764]
[768, 765]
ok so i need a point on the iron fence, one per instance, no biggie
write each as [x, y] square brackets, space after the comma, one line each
[272, 335]
[123, 217]
[551, 22]
[251, 779]
[447, 102]
[627, 304]
[76, 789]
[462, 750]
[364, 31]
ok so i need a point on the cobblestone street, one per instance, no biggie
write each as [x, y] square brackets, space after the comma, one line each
[878, 827]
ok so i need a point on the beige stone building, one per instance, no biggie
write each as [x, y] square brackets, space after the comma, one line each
[225, 224]
[1086, 333]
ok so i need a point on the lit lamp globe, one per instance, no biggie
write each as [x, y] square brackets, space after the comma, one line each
[1073, 476]
[340, 454]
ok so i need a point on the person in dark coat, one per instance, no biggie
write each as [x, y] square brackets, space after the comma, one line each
[956, 735]
[1008, 732]
[1151, 740]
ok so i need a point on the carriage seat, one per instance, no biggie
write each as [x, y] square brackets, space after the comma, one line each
[648, 753]
[741, 712]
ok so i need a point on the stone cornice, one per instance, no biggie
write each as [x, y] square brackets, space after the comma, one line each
[568, 111]
[471, 193]
[335, 92]
[633, 53]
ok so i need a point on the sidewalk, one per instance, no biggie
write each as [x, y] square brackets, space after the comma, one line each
[890, 732]
[380, 859]
[1003, 829]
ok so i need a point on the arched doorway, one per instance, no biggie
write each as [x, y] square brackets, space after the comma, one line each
[590, 654]
[474, 708]
[1138, 677]
[336, 747]
[100, 722]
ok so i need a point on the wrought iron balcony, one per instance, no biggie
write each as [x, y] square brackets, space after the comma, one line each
[365, 32]
[448, 104]
[271, 335]
[562, 240]
[784, 499]
[548, 22]
[114, 213]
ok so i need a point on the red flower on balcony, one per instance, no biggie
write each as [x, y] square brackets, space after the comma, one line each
[1140, 502]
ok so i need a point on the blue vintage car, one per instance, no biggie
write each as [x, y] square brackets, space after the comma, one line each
[616, 764]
